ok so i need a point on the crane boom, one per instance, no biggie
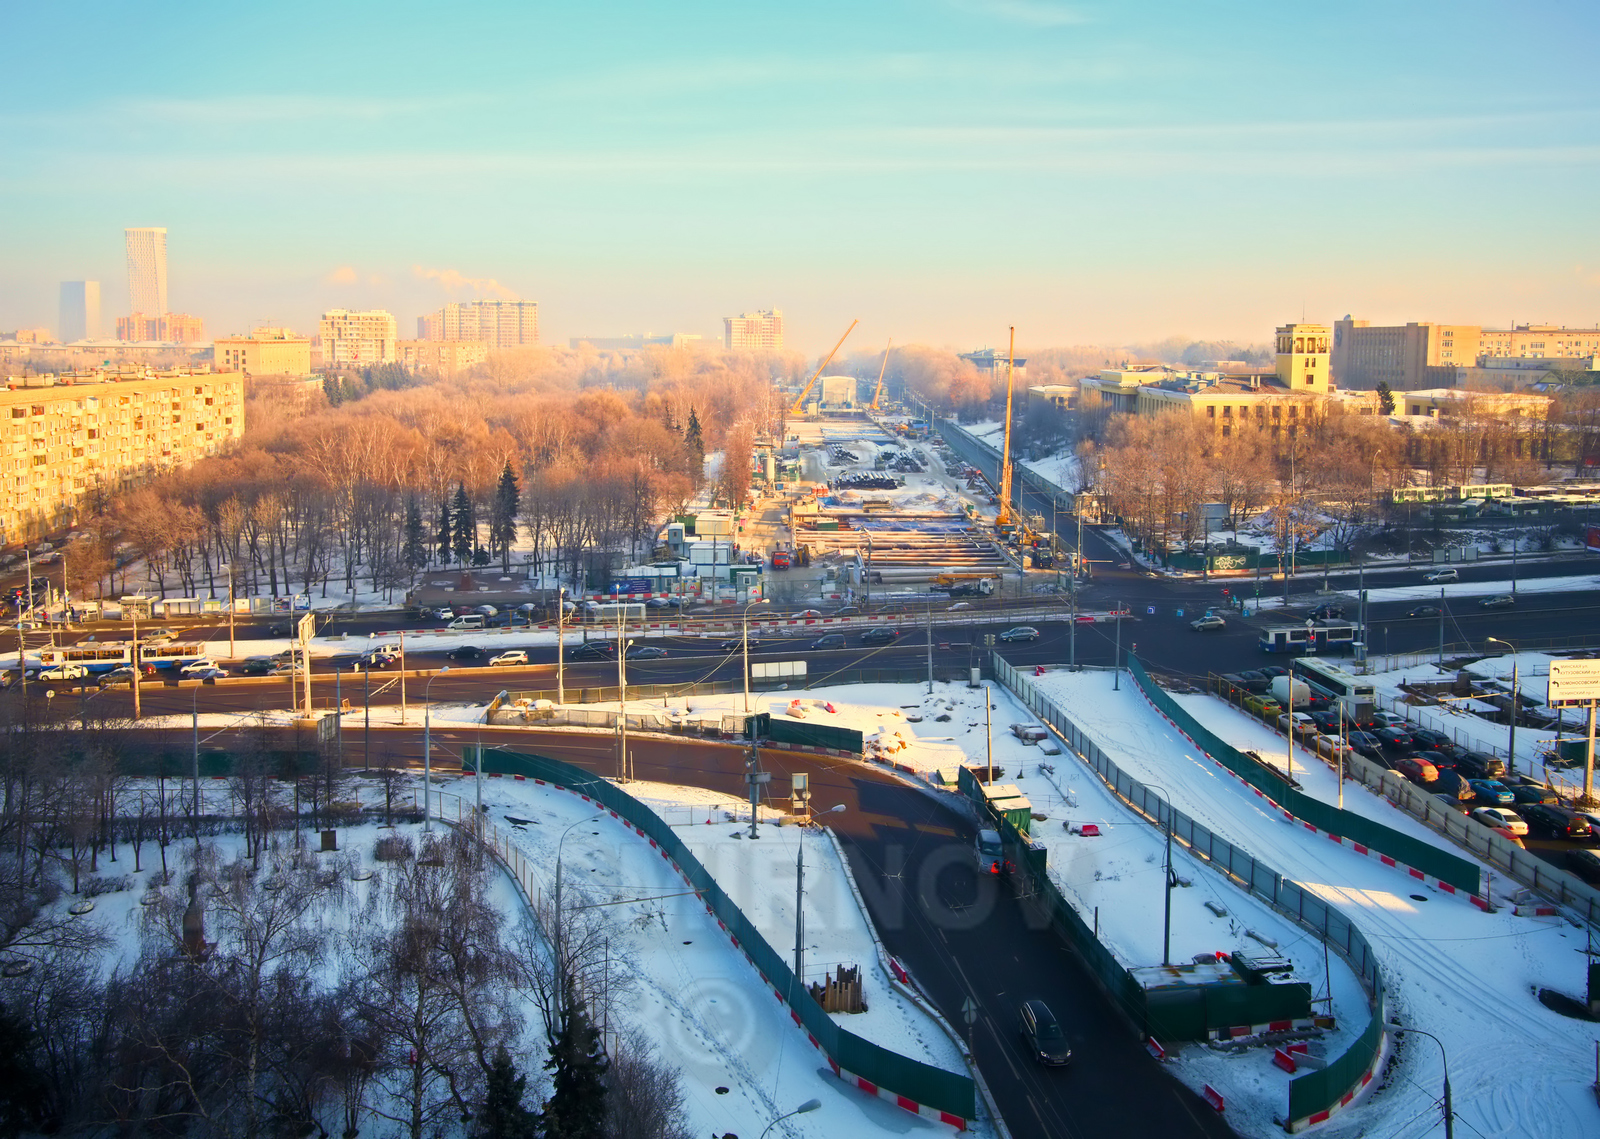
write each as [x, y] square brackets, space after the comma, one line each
[800, 400]
[1004, 517]
[878, 393]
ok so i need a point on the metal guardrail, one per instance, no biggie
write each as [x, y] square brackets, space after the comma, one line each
[1313, 1092]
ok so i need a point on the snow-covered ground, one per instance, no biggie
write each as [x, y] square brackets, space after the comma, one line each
[1463, 975]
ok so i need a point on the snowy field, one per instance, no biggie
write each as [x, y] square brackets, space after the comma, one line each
[1465, 976]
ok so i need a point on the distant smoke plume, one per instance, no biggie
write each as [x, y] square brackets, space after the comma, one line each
[454, 282]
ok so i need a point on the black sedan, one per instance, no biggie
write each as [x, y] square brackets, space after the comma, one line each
[1367, 744]
[467, 652]
[736, 644]
[592, 650]
[1424, 611]
[1502, 601]
[1393, 739]
[645, 652]
[879, 636]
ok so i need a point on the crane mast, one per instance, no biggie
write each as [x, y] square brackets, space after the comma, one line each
[800, 400]
[878, 392]
[1004, 517]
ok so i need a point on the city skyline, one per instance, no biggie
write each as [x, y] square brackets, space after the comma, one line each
[1092, 174]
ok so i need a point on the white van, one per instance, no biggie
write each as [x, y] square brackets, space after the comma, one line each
[467, 621]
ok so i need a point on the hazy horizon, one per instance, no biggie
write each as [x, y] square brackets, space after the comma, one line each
[1091, 173]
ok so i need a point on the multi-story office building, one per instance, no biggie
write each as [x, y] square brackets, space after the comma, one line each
[500, 324]
[994, 364]
[357, 339]
[1410, 356]
[265, 352]
[80, 311]
[759, 331]
[169, 327]
[68, 436]
[441, 357]
[147, 270]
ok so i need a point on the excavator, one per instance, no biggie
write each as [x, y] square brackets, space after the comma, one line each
[877, 394]
[800, 400]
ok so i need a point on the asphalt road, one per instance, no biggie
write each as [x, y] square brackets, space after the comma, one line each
[960, 936]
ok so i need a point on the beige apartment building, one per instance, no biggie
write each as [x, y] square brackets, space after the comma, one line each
[265, 352]
[1302, 361]
[441, 357]
[357, 339]
[760, 331]
[500, 324]
[1445, 403]
[70, 435]
[1410, 356]
[167, 328]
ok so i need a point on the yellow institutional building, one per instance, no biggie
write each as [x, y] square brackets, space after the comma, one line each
[71, 435]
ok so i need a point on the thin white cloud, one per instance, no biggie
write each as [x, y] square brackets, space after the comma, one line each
[343, 275]
[1034, 13]
[453, 282]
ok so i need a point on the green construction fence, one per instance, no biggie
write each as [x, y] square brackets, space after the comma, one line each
[1462, 873]
[924, 1084]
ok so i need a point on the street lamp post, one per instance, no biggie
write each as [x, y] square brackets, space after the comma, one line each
[1166, 921]
[427, 749]
[1511, 742]
[809, 1105]
[1449, 1107]
[744, 642]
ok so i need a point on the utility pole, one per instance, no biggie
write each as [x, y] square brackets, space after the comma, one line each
[561, 647]
[800, 915]
[402, 676]
[1116, 665]
[133, 654]
[1441, 628]
[930, 646]
[988, 733]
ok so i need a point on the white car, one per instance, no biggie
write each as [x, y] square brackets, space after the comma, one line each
[510, 656]
[63, 672]
[1442, 575]
[200, 666]
[1301, 722]
[1501, 818]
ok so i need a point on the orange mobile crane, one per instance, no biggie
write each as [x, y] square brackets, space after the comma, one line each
[800, 400]
[1003, 519]
[878, 393]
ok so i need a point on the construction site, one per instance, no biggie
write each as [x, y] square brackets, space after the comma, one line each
[880, 503]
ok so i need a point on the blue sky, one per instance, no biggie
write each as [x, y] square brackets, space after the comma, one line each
[1090, 172]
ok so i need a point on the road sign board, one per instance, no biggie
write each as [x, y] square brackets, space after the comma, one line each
[1574, 682]
[969, 1010]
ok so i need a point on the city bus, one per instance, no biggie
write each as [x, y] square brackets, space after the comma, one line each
[1311, 637]
[1355, 693]
[103, 656]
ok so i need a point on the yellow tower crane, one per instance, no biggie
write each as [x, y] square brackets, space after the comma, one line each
[1004, 517]
[800, 400]
[878, 393]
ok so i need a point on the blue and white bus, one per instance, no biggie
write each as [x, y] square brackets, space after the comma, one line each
[1354, 692]
[103, 656]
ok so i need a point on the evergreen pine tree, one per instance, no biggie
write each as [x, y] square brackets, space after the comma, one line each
[503, 1115]
[466, 525]
[577, 1105]
[444, 536]
[503, 519]
[414, 549]
[694, 446]
[1385, 399]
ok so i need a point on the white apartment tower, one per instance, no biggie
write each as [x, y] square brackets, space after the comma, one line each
[357, 338]
[758, 331]
[80, 311]
[147, 271]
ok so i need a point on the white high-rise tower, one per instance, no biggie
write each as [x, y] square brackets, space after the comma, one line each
[147, 271]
